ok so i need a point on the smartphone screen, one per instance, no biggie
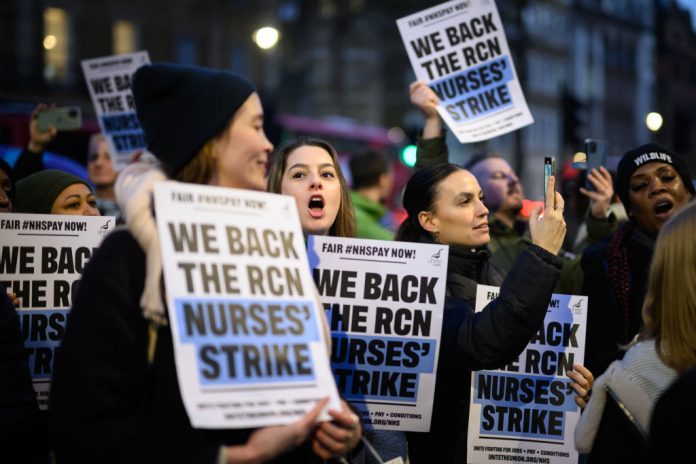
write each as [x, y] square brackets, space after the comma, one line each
[596, 151]
[549, 170]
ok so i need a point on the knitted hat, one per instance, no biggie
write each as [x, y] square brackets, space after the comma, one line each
[10, 175]
[37, 193]
[182, 107]
[648, 153]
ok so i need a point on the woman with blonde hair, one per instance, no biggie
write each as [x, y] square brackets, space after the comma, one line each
[665, 347]
[669, 311]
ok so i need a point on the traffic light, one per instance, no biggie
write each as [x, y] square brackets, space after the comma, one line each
[573, 119]
[408, 155]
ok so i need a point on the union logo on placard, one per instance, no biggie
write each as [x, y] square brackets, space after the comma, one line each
[577, 307]
[435, 259]
[104, 228]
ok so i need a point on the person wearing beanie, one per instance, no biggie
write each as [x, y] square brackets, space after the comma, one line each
[653, 183]
[100, 169]
[115, 392]
[7, 187]
[614, 426]
[55, 192]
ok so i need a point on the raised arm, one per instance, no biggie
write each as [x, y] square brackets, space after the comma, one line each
[31, 158]
[432, 148]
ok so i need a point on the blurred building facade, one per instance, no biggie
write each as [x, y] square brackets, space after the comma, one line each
[676, 79]
[614, 61]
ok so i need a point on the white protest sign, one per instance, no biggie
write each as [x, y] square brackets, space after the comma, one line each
[459, 49]
[248, 334]
[109, 81]
[42, 257]
[384, 301]
[527, 411]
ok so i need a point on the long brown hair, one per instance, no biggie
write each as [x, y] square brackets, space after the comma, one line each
[344, 225]
[669, 310]
[201, 167]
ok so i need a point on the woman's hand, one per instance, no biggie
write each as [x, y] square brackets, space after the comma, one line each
[269, 442]
[548, 231]
[332, 439]
[600, 198]
[14, 299]
[425, 99]
[582, 381]
[38, 139]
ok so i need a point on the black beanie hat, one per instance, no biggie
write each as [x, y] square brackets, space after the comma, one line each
[37, 193]
[648, 153]
[4, 166]
[182, 107]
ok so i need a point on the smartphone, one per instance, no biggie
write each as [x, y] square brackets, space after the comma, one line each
[63, 119]
[549, 170]
[596, 151]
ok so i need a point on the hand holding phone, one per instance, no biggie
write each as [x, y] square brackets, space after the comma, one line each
[549, 170]
[62, 119]
[548, 229]
[596, 151]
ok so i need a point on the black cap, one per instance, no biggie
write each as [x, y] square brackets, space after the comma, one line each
[648, 153]
[182, 107]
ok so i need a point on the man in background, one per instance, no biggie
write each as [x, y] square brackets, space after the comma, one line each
[373, 180]
[503, 197]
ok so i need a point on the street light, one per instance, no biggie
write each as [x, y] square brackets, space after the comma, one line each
[266, 37]
[50, 41]
[653, 121]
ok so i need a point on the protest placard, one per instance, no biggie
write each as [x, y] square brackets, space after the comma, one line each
[384, 302]
[249, 335]
[42, 257]
[460, 50]
[109, 81]
[526, 412]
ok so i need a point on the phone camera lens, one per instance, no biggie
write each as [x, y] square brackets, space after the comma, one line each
[593, 146]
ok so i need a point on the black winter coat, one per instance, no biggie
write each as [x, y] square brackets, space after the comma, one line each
[489, 339]
[107, 403]
[466, 269]
[23, 430]
[603, 311]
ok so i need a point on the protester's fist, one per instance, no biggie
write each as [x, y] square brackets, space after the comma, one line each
[548, 230]
[424, 98]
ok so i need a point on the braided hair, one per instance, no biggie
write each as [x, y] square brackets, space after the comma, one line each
[619, 277]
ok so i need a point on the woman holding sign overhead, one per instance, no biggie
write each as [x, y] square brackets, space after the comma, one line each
[444, 205]
[115, 394]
